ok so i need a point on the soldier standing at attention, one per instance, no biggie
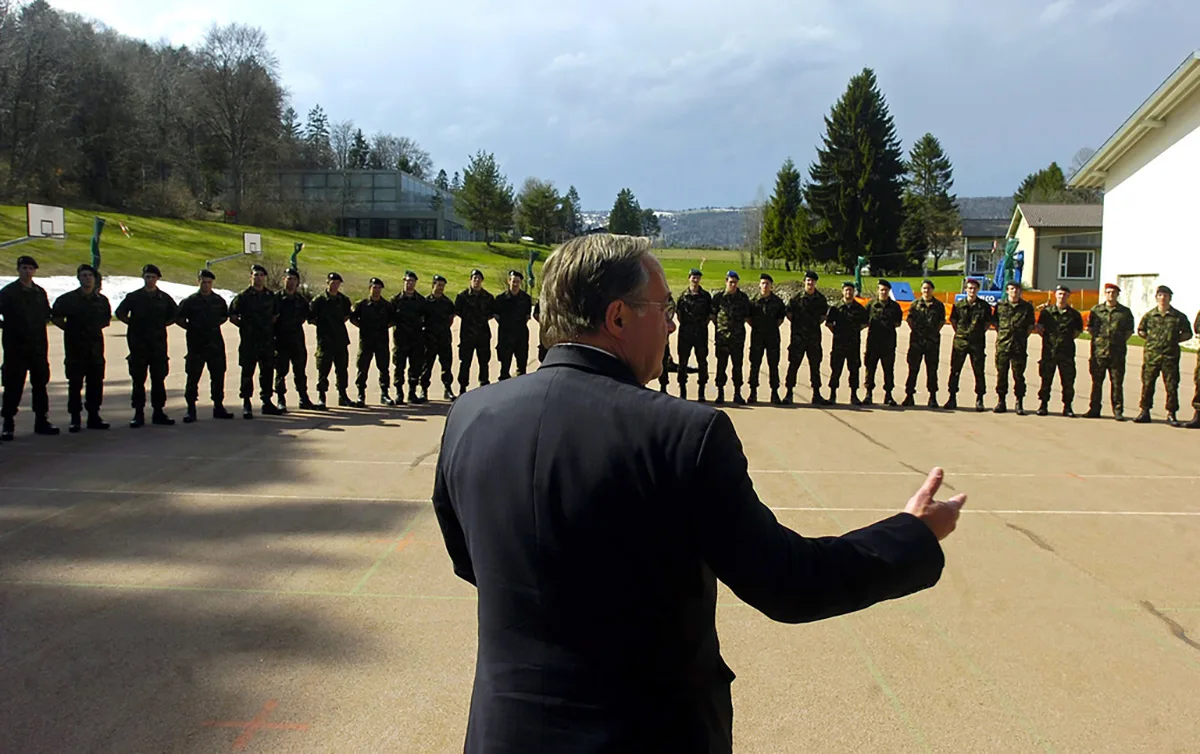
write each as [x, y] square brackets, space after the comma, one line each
[329, 312]
[665, 372]
[926, 317]
[767, 314]
[201, 316]
[1015, 320]
[82, 315]
[806, 311]
[26, 310]
[475, 307]
[1195, 422]
[970, 319]
[846, 319]
[694, 311]
[541, 351]
[884, 318]
[1110, 324]
[1058, 325]
[291, 351]
[730, 312]
[1163, 328]
[408, 337]
[439, 315]
[254, 312]
[148, 312]
[513, 310]
[372, 316]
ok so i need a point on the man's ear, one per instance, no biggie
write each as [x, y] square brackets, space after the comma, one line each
[614, 317]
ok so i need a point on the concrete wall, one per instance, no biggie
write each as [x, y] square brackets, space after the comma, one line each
[1151, 204]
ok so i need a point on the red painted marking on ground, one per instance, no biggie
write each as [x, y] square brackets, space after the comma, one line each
[250, 727]
[400, 544]
[1076, 476]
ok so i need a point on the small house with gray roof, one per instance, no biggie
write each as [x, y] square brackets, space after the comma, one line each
[1061, 243]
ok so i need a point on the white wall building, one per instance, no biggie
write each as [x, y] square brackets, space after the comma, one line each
[1149, 171]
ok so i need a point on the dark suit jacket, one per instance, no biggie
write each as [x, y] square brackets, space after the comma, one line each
[594, 517]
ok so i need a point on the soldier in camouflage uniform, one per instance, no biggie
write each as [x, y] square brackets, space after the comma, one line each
[970, 319]
[767, 313]
[806, 311]
[475, 307]
[408, 338]
[148, 312]
[291, 350]
[513, 309]
[254, 312]
[1015, 320]
[439, 315]
[1058, 325]
[1195, 422]
[329, 311]
[82, 315]
[730, 312]
[1163, 328]
[665, 373]
[884, 317]
[1110, 324]
[541, 352]
[372, 316]
[201, 316]
[694, 311]
[846, 319]
[926, 318]
[26, 310]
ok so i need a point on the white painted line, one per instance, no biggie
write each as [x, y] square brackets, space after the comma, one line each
[950, 474]
[239, 495]
[816, 509]
[395, 461]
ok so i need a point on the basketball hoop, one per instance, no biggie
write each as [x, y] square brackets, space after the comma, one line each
[42, 221]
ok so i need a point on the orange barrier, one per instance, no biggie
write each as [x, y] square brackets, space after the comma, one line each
[1081, 300]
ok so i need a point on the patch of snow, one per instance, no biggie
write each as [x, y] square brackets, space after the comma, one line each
[116, 287]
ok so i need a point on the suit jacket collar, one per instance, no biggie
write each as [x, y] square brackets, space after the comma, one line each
[589, 359]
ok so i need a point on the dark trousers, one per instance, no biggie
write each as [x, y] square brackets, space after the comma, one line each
[686, 344]
[510, 348]
[666, 365]
[377, 351]
[1064, 364]
[884, 355]
[441, 351]
[81, 372]
[797, 351]
[158, 367]
[293, 356]
[851, 361]
[16, 367]
[958, 358]
[1169, 369]
[468, 350]
[1013, 361]
[730, 350]
[770, 348]
[194, 365]
[410, 355]
[336, 358]
[929, 355]
[1114, 368]
[258, 357]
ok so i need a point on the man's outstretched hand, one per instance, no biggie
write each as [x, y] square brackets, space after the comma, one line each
[940, 516]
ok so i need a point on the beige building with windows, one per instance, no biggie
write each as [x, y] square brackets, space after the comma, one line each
[1061, 243]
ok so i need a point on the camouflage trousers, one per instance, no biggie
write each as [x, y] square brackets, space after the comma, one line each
[334, 358]
[929, 354]
[1196, 395]
[468, 350]
[881, 355]
[408, 353]
[770, 348]
[797, 350]
[194, 364]
[512, 347]
[438, 350]
[1114, 368]
[374, 349]
[958, 359]
[664, 373]
[687, 343]
[850, 360]
[1169, 369]
[291, 357]
[1011, 361]
[1064, 365]
[728, 350]
[257, 356]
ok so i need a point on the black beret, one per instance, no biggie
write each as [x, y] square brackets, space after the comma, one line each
[27, 260]
[85, 268]
[208, 274]
[695, 272]
[930, 282]
[810, 275]
[732, 274]
[151, 270]
[1017, 284]
[410, 275]
[334, 276]
[885, 284]
[1063, 288]
[848, 284]
[475, 273]
[516, 274]
[439, 279]
[259, 268]
[1163, 289]
[766, 277]
[293, 272]
[377, 281]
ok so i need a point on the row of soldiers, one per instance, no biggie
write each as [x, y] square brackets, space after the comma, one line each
[414, 328]
[1110, 325]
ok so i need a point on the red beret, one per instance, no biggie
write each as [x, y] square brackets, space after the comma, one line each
[1114, 286]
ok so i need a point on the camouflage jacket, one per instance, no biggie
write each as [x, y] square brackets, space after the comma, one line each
[372, 319]
[512, 314]
[439, 314]
[82, 319]
[970, 321]
[408, 315]
[846, 319]
[254, 314]
[1110, 328]
[730, 312]
[1014, 322]
[1059, 328]
[695, 312]
[883, 319]
[475, 310]
[148, 315]
[806, 313]
[329, 313]
[201, 317]
[293, 313]
[767, 314]
[1163, 333]
[925, 322]
[26, 312]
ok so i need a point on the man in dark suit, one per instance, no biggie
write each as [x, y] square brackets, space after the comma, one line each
[597, 561]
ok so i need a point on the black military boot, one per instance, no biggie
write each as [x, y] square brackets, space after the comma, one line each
[1118, 415]
[868, 399]
[76, 424]
[1020, 407]
[700, 393]
[344, 400]
[247, 409]
[683, 392]
[1171, 419]
[738, 400]
[788, 397]
[448, 394]
[1001, 406]
[1043, 408]
[320, 405]
[386, 399]
[219, 411]
[95, 422]
[720, 396]
[281, 404]
[305, 404]
[908, 401]
[1068, 411]
[161, 419]
[413, 395]
[42, 426]
[6, 434]
[888, 400]
[362, 399]
[1143, 418]
[932, 400]
[1092, 413]
[139, 418]
[979, 407]
[662, 387]
[753, 396]
[818, 400]
[270, 409]
[951, 403]
[775, 401]
[854, 401]
[1195, 422]
[189, 417]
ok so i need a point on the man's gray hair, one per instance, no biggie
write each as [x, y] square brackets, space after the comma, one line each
[583, 276]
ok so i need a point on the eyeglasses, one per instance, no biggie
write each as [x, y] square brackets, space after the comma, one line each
[668, 308]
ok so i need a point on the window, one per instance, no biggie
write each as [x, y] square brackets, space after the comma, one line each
[1077, 264]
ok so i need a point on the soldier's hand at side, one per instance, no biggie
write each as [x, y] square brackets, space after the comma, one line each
[940, 516]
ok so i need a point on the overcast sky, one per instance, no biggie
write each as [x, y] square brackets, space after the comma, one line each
[694, 103]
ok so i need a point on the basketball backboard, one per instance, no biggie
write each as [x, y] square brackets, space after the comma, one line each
[45, 221]
[251, 243]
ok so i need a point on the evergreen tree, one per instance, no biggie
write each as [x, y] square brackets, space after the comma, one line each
[650, 225]
[929, 205]
[626, 216]
[784, 217]
[856, 183]
[455, 184]
[1049, 186]
[290, 138]
[572, 214]
[539, 210]
[360, 152]
[317, 151]
[486, 198]
[442, 181]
